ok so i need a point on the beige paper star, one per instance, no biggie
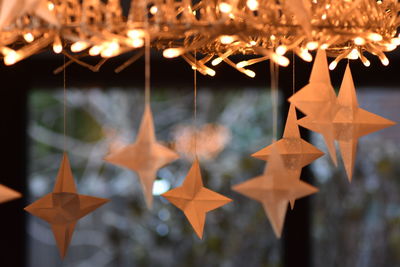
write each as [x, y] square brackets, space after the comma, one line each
[10, 10]
[274, 189]
[8, 194]
[195, 200]
[318, 101]
[352, 122]
[295, 152]
[145, 156]
[64, 207]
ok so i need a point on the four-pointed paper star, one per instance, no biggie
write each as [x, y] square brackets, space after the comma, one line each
[195, 200]
[10, 10]
[318, 101]
[64, 207]
[274, 189]
[145, 156]
[8, 194]
[295, 152]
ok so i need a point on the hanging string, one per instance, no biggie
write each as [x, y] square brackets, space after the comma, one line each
[65, 108]
[274, 97]
[147, 59]
[195, 103]
[293, 73]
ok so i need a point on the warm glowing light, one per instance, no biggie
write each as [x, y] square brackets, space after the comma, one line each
[305, 55]
[384, 60]
[95, 50]
[11, 57]
[395, 41]
[353, 54]
[250, 73]
[216, 61]
[134, 34]
[242, 64]
[324, 46]
[281, 50]
[366, 62]
[333, 65]
[111, 49]
[312, 45]
[226, 39]
[376, 37]
[359, 41]
[252, 4]
[50, 6]
[273, 37]
[323, 17]
[210, 72]
[137, 42]
[280, 60]
[57, 45]
[225, 7]
[172, 52]
[79, 46]
[29, 37]
[153, 10]
[390, 47]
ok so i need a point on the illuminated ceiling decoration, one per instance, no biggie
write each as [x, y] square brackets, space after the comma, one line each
[265, 29]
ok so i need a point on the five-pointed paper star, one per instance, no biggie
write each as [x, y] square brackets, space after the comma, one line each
[7, 194]
[10, 10]
[352, 122]
[195, 200]
[64, 206]
[318, 101]
[145, 156]
[274, 189]
[295, 152]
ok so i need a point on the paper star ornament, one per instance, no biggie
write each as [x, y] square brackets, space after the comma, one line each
[145, 156]
[7, 194]
[195, 200]
[274, 189]
[10, 10]
[352, 122]
[63, 207]
[294, 151]
[318, 101]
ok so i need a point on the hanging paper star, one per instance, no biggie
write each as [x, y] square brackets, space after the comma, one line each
[145, 156]
[7, 194]
[10, 10]
[295, 152]
[274, 189]
[64, 207]
[352, 122]
[318, 101]
[195, 200]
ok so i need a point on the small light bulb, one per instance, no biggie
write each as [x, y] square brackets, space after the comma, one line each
[390, 47]
[153, 10]
[111, 49]
[395, 41]
[242, 64]
[226, 39]
[79, 46]
[366, 63]
[324, 46]
[333, 65]
[305, 55]
[134, 34]
[216, 61]
[172, 52]
[138, 42]
[252, 4]
[385, 61]
[281, 50]
[312, 45]
[376, 37]
[210, 72]
[359, 41]
[353, 54]
[11, 57]
[250, 73]
[280, 60]
[225, 7]
[29, 37]
[50, 6]
[57, 45]
[95, 50]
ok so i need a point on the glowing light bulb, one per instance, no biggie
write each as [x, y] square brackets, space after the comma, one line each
[134, 34]
[333, 65]
[226, 39]
[137, 42]
[395, 41]
[273, 37]
[384, 60]
[281, 50]
[280, 60]
[50, 6]
[324, 46]
[210, 72]
[111, 49]
[216, 61]
[172, 52]
[95, 50]
[312, 45]
[390, 47]
[242, 64]
[11, 57]
[353, 54]
[57, 45]
[252, 4]
[250, 73]
[225, 7]
[29, 37]
[305, 55]
[79, 46]
[153, 10]
[323, 17]
[366, 63]
[359, 41]
[376, 37]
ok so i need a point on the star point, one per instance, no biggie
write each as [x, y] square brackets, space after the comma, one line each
[63, 207]
[195, 200]
[145, 156]
[8, 194]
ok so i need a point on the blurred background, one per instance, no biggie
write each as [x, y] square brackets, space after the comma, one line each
[355, 224]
